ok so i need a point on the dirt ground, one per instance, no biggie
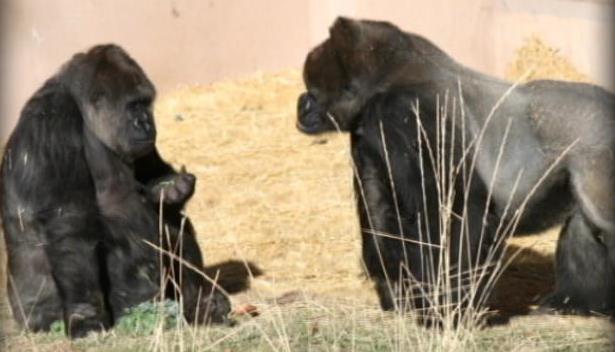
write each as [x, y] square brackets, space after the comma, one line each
[265, 193]
[282, 201]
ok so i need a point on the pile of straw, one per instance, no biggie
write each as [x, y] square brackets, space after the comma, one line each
[542, 62]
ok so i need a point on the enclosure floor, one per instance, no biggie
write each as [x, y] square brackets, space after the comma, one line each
[282, 201]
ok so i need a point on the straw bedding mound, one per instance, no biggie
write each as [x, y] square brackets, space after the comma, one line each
[542, 62]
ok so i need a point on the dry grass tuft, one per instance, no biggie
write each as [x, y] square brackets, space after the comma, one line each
[543, 62]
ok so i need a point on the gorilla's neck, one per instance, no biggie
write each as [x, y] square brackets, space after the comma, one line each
[429, 71]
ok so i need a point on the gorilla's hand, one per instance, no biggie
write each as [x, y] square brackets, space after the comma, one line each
[212, 307]
[175, 189]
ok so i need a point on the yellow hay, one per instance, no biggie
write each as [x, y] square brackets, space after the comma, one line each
[265, 192]
[543, 62]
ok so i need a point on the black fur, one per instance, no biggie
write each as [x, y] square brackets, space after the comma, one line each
[557, 139]
[81, 185]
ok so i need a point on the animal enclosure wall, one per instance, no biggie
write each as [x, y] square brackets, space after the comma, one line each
[182, 42]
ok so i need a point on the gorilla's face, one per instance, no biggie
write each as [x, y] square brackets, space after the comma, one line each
[327, 86]
[345, 71]
[115, 98]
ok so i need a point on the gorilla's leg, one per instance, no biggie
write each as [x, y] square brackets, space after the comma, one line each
[585, 277]
[585, 266]
[74, 252]
[32, 292]
[202, 301]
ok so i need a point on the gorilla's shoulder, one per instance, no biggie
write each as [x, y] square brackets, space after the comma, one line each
[390, 116]
[390, 108]
[50, 117]
[50, 101]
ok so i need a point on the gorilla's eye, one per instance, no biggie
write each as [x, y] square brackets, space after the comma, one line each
[139, 104]
[139, 113]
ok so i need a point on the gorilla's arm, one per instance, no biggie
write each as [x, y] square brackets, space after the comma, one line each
[377, 216]
[201, 301]
[151, 167]
[157, 176]
[389, 123]
[390, 228]
[51, 220]
[382, 254]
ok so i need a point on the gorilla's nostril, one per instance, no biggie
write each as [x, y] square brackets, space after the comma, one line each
[309, 119]
[306, 101]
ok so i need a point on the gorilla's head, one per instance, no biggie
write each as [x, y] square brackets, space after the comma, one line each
[359, 60]
[343, 72]
[115, 98]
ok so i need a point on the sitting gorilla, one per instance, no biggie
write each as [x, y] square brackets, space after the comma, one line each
[83, 188]
[448, 159]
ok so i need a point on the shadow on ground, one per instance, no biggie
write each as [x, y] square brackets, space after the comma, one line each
[523, 283]
[233, 275]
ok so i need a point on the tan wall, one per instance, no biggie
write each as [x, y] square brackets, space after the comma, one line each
[176, 41]
[185, 42]
[484, 34]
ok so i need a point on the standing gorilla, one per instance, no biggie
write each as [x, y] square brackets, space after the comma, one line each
[82, 183]
[557, 162]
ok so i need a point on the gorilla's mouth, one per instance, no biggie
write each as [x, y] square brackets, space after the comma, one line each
[312, 128]
[309, 115]
[144, 139]
[140, 147]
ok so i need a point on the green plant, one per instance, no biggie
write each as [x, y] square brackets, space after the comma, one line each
[144, 318]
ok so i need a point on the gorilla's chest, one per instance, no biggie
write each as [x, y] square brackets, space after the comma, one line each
[126, 211]
[132, 254]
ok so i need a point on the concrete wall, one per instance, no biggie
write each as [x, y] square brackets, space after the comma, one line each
[185, 42]
[484, 34]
